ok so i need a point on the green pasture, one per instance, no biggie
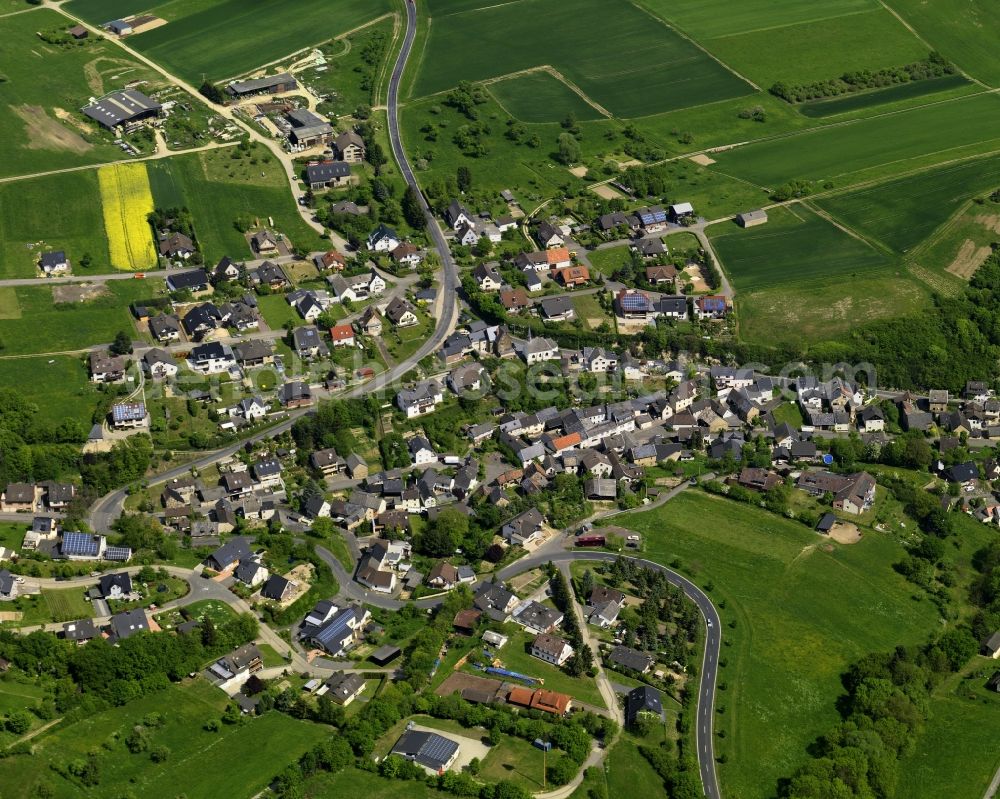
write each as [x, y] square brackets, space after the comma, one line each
[799, 609]
[71, 326]
[796, 246]
[874, 147]
[35, 217]
[428, 128]
[800, 314]
[220, 39]
[58, 385]
[864, 101]
[902, 213]
[41, 80]
[956, 753]
[659, 70]
[355, 782]
[200, 765]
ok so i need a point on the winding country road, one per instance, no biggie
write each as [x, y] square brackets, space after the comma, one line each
[108, 507]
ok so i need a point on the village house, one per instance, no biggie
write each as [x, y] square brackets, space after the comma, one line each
[422, 398]
[350, 147]
[551, 648]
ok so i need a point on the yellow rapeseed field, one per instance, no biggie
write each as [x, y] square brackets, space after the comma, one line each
[127, 200]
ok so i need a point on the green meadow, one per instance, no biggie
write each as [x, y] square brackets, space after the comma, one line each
[43, 88]
[200, 765]
[798, 610]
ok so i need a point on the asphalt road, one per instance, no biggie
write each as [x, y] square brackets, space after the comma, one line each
[109, 507]
[710, 659]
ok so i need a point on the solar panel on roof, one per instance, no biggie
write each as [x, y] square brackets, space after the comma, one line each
[83, 544]
[117, 553]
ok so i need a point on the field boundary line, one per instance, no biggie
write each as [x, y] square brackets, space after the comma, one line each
[875, 244]
[812, 21]
[905, 23]
[383, 69]
[312, 46]
[940, 231]
[555, 73]
[142, 159]
[684, 35]
[414, 71]
[481, 8]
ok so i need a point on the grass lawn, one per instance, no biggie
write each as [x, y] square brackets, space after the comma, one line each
[194, 753]
[803, 610]
[233, 27]
[35, 218]
[541, 97]
[402, 342]
[956, 755]
[271, 656]
[788, 412]
[67, 604]
[58, 386]
[517, 761]
[218, 612]
[338, 546]
[606, 261]
[590, 311]
[515, 657]
[871, 148]
[45, 86]
[659, 71]
[70, 326]
[355, 782]
[276, 311]
[903, 213]
[229, 187]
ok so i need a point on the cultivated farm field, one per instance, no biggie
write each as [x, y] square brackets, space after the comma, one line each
[541, 97]
[903, 213]
[796, 246]
[875, 147]
[658, 71]
[220, 39]
[127, 201]
[804, 610]
[964, 31]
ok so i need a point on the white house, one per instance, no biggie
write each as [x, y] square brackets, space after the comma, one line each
[420, 399]
[250, 408]
[383, 239]
[212, 358]
[537, 350]
[551, 648]
[421, 451]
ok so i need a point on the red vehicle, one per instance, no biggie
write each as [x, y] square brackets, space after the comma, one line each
[138, 276]
[590, 541]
